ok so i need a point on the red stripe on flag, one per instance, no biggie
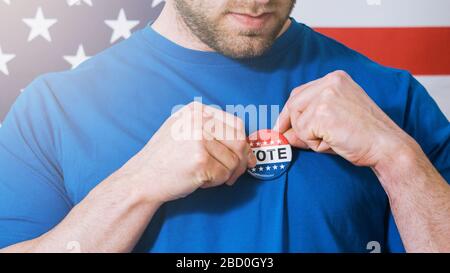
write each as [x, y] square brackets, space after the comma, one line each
[422, 51]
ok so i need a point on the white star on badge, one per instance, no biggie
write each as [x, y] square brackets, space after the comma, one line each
[4, 59]
[121, 27]
[76, 60]
[39, 26]
[275, 167]
[253, 169]
[282, 166]
[156, 2]
[261, 169]
[268, 168]
[79, 2]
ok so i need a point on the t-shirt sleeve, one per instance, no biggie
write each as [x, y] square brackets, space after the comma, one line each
[32, 194]
[426, 123]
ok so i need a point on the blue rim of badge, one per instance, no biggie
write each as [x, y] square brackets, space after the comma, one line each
[273, 153]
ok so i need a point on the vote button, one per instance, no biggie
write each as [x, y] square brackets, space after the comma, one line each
[273, 154]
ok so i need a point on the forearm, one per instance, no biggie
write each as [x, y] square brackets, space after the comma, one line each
[419, 198]
[111, 218]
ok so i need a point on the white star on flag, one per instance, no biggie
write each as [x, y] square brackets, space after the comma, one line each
[121, 27]
[79, 2]
[77, 59]
[39, 26]
[4, 59]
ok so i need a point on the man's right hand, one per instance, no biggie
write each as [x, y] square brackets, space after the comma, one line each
[197, 147]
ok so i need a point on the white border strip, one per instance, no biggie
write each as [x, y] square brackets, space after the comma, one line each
[373, 13]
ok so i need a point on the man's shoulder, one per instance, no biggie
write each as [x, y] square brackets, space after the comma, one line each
[95, 76]
[105, 64]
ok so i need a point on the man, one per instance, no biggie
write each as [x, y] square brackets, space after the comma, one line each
[90, 159]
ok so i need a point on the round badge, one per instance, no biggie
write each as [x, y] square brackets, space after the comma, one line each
[273, 154]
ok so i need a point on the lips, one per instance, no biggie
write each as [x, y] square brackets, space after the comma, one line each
[251, 21]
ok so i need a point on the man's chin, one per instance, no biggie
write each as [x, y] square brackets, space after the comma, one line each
[243, 53]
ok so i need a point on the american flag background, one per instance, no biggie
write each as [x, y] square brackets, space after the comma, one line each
[39, 36]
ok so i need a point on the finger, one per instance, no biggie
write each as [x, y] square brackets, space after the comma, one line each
[299, 101]
[233, 138]
[216, 174]
[225, 117]
[292, 138]
[230, 130]
[240, 148]
[222, 154]
[324, 147]
[307, 130]
[283, 122]
[303, 129]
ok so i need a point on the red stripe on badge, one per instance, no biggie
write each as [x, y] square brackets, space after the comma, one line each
[420, 50]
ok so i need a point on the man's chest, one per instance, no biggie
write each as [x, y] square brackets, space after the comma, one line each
[314, 184]
[317, 190]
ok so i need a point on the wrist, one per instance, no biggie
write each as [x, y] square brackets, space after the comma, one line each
[134, 189]
[397, 162]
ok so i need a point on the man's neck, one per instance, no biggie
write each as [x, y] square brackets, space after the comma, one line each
[170, 25]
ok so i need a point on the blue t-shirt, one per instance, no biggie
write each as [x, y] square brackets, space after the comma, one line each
[69, 131]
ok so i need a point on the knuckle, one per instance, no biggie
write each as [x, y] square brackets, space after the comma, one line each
[290, 105]
[200, 159]
[194, 104]
[234, 161]
[303, 134]
[195, 107]
[202, 178]
[295, 91]
[300, 124]
[341, 73]
[190, 106]
[323, 110]
[337, 77]
[329, 93]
